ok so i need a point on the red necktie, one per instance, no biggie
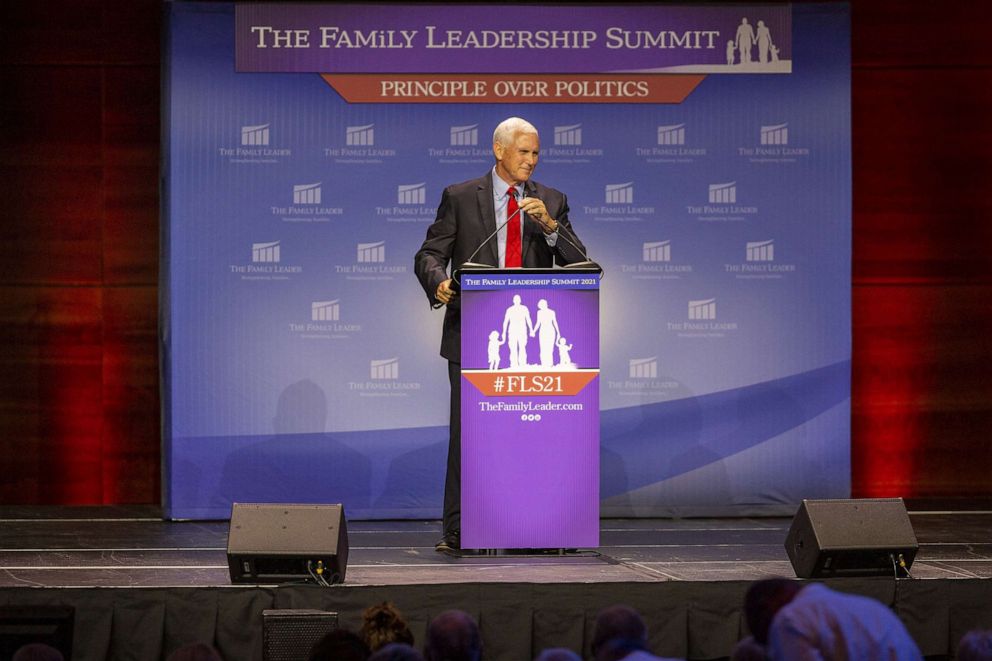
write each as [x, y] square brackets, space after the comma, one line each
[512, 231]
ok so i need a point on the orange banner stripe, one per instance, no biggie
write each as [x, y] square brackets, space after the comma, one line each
[528, 384]
[513, 88]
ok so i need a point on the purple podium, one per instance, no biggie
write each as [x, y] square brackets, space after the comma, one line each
[530, 408]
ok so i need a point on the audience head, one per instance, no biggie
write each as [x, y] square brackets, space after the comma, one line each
[748, 650]
[37, 652]
[340, 645]
[763, 600]
[453, 636]
[384, 624]
[558, 654]
[976, 646]
[396, 652]
[619, 630]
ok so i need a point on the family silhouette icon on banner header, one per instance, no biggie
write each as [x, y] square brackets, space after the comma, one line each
[518, 328]
[746, 38]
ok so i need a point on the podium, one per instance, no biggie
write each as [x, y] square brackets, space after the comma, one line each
[530, 408]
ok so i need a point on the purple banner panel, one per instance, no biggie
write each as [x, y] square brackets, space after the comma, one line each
[375, 39]
[530, 411]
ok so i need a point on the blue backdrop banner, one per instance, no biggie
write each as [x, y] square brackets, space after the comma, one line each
[707, 167]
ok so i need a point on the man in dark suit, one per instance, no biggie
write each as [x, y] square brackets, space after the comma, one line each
[532, 220]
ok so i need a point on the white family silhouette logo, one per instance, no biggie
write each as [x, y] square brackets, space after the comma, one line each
[518, 328]
[746, 38]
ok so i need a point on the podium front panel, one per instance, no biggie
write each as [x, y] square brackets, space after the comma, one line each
[530, 409]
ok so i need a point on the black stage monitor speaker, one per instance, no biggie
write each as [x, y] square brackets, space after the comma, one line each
[865, 537]
[290, 634]
[280, 543]
[24, 624]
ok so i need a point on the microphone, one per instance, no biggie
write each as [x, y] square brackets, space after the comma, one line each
[468, 263]
[586, 263]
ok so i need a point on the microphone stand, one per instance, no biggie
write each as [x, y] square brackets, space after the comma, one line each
[469, 264]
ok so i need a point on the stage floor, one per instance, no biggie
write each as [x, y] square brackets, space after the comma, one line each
[141, 587]
[132, 546]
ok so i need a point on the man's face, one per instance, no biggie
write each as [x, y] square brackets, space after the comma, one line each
[516, 161]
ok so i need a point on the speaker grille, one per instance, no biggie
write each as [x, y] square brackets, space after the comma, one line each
[289, 634]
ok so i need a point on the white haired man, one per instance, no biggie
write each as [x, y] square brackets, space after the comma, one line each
[794, 620]
[469, 213]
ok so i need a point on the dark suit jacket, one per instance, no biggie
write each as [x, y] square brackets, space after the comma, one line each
[465, 218]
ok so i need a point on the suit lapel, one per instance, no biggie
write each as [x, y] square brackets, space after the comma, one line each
[488, 214]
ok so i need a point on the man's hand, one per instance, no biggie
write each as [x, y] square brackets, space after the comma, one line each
[444, 292]
[535, 208]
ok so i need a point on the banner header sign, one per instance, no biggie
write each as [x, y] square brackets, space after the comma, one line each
[374, 39]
